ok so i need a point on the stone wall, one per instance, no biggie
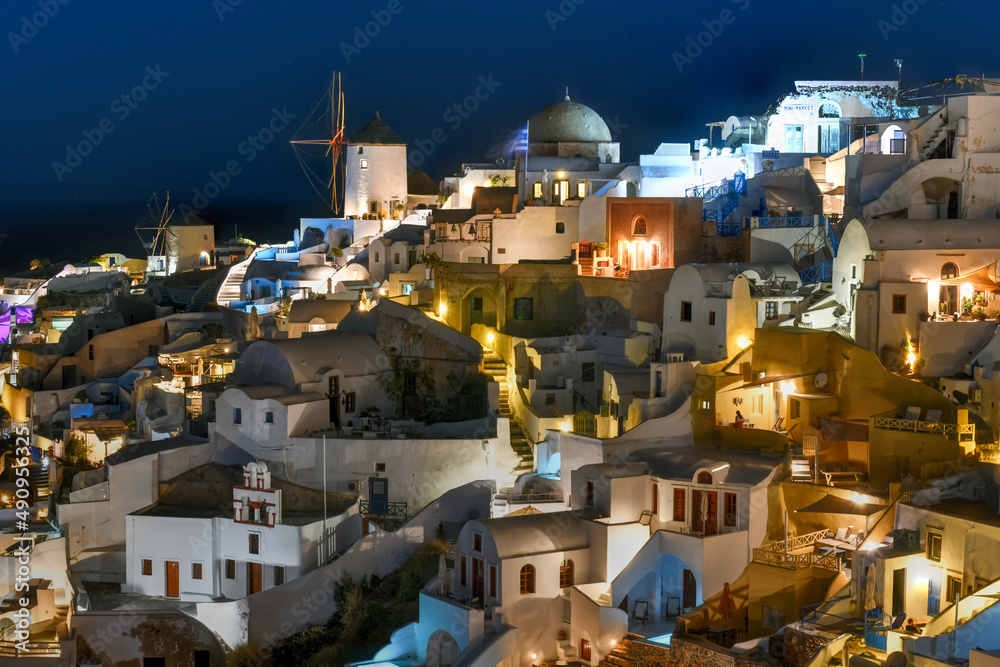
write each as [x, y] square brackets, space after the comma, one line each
[800, 647]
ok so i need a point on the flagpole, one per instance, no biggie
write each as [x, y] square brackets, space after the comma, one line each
[527, 130]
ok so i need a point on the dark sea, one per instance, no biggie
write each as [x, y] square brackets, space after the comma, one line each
[70, 232]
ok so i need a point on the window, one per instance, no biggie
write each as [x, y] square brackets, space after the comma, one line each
[656, 498]
[461, 573]
[711, 318]
[522, 308]
[230, 568]
[269, 417]
[638, 226]
[706, 405]
[537, 190]
[685, 311]
[705, 477]
[501, 251]
[255, 543]
[770, 309]
[560, 228]
[395, 258]
[680, 504]
[773, 618]
[794, 409]
[477, 542]
[729, 518]
[581, 189]
[350, 401]
[147, 567]
[588, 371]
[376, 258]
[829, 110]
[361, 149]
[406, 289]
[949, 270]
[279, 575]
[899, 304]
[934, 546]
[196, 570]
[202, 659]
[566, 574]
[237, 416]
[373, 207]
[364, 164]
[527, 579]
[590, 493]
[90, 352]
[493, 581]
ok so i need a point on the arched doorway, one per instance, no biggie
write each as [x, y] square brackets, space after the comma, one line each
[442, 650]
[893, 141]
[478, 307]
[949, 294]
[935, 199]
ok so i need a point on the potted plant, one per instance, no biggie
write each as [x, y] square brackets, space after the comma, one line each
[600, 248]
[399, 211]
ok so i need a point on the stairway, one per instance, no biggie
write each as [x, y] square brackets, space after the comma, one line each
[496, 368]
[932, 143]
[587, 265]
[232, 286]
[206, 293]
[39, 476]
[801, 468]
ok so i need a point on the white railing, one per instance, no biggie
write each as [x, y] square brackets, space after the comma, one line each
[963, 431]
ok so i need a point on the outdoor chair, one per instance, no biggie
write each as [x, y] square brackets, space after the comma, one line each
[640, 612]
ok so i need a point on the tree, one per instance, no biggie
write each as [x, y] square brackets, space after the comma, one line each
[408, 384]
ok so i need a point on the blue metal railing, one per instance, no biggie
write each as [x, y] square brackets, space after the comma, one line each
[728, 229]
[787, 222]
[816, 273]
[834, 241]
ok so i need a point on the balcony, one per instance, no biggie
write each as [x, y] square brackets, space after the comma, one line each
[782, 554]
[786, 222]
[961, 432]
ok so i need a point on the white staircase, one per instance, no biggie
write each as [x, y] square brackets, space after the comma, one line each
[232, 287]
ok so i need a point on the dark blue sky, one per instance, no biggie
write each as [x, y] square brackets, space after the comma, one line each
[212, 73]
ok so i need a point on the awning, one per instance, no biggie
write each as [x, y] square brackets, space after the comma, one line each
[982, 279]
[837, 505]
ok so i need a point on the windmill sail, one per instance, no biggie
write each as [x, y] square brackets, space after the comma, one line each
[319, 146]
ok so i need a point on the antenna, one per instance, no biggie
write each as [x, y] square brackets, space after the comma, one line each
[899, 74]
[862, 56]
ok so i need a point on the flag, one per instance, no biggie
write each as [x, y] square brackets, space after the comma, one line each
[521, 144]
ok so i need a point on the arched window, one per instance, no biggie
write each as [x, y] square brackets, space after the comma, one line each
[566, 574]
[829, 110]
[527, 579]
[638, 226]
[704, 478]
[949, 270]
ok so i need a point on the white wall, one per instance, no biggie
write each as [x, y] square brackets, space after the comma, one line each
[384, 179]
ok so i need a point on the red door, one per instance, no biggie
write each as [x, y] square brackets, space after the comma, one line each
[477, 578]
[585, 650]
[254, 578]
[173, 579]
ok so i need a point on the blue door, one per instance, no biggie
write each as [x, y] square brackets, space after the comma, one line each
[934, 595]
[876, 627]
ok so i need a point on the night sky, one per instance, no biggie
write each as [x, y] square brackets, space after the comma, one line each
[163, 94]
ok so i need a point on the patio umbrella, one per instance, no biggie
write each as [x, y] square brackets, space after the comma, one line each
[704, 511]
[727, 604]
[253, 332]
[870, 587]
[831, 504]
[442, 569]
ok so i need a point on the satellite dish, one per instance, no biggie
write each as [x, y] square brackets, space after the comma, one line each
[821, 380]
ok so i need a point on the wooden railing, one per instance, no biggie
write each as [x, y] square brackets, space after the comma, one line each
[964, 432]
[796, 561]
[9, 648]
[795, 542]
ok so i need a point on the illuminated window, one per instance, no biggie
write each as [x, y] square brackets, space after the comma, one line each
[680, 504]
[364, 164]
[899, 304]
[581, 189]
[638, 226]
[537, 190]
[933, 546]
[147, 567]
[770, 309]
[566, 574]
[196, 570]
[527, 579]
[729, 518]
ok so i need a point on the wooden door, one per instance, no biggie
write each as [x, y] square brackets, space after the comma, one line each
[898, 591]
[255, 576]
[477, 578]
[690, 589]
[585, 650]
[173, 579]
